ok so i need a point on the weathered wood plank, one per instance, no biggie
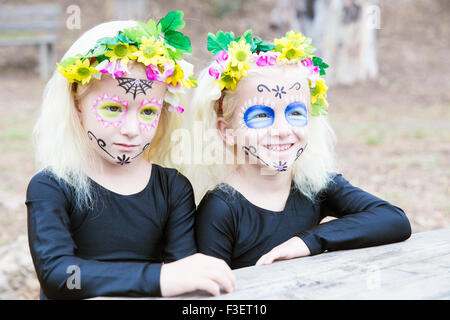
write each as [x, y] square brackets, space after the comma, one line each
[418, 268]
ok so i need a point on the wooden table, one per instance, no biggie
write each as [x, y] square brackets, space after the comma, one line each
[418, 268]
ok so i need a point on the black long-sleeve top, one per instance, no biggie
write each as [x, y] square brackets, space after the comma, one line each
[229, 227]
[118, 246]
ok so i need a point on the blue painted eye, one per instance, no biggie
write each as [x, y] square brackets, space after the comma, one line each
[259, 116]
[296, 114]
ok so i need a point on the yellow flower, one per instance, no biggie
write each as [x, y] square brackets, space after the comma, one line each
[80, 71]
[288, 51]
[68, 72]
[227, 81]
[240, 55]
[235, 72]
[177, 76]
[296, 37]
[318, 92]
[121, 51]
[151, 51]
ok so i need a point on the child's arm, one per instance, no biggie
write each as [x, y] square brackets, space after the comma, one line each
[179, 228]
[364, 220]
[54, 253]
[214, 229]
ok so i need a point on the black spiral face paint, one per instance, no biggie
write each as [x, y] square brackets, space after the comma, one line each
[299, 152]
[296, 86]
[100, 143]
[279, 90]
[252, 150]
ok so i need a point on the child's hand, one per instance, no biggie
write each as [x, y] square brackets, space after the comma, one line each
[196, 272]
[292, 248]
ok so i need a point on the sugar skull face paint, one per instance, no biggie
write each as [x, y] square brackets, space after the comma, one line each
[258, 116]
[148, 113]
[296, 114]
[120, 127]
[261, 115]
[110, 110]
[273, 117]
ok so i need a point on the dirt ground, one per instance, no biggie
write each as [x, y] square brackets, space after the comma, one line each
[393, 133]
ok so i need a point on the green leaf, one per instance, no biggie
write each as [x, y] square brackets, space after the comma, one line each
[176, 54]
[219, 41]
[107, 40]
[178, 40]
[319, 63]
[151, 28]
[121, 37]
[172, 21]
[97, 51]
[264, 46]
[134, 34]
[68, 61]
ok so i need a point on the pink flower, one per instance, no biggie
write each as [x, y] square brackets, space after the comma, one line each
[222, 57]
[153, 73]
[214, 72]
[315, 69]
[307, 62]
[168, 70]
[266, 58]
[114, 68]
[178, 109]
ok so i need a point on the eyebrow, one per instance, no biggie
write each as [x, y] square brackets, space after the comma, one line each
[134, 86]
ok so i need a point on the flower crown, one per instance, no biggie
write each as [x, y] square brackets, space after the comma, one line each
[159, 46]
[234, 55]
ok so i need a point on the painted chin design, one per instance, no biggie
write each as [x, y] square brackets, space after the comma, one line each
[123, 159]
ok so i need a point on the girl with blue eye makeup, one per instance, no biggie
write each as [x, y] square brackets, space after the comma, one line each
[270, 205]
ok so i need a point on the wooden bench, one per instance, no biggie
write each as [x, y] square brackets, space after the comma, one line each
[32, 25]
[418, 268]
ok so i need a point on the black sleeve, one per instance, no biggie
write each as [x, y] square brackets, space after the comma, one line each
[214, 228]
[363, 220]
[179, 229]
[54, 253]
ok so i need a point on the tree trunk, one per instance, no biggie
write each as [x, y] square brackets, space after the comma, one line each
[343, 31]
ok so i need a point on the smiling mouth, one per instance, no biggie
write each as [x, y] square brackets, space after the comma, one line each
[279, 147]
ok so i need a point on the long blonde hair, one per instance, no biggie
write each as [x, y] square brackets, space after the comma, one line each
[311, 172]
[60, 142]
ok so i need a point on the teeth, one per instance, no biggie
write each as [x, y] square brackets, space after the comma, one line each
[278, 147]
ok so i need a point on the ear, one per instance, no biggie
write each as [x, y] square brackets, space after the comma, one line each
[225, 132]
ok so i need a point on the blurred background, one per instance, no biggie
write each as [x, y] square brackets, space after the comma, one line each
[388, 84]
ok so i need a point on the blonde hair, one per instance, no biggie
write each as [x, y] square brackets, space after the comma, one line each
[311, 172]
[60, 142]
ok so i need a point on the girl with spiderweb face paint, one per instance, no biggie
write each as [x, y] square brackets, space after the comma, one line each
[106, 203]
[121, 115]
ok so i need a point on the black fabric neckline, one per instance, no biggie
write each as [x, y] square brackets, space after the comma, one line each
[258, 208]
[137, 194]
